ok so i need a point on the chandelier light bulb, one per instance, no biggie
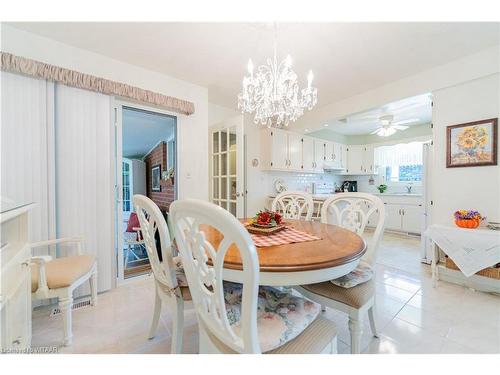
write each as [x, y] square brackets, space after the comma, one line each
[310, 77]
[250, 66]
[288, 61]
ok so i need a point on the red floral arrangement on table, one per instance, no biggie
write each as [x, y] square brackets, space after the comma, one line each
[266, 218]
[468, 218]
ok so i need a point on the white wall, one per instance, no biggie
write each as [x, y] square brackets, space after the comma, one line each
[468, 68]
[472, 187]
[193, 163]
[218, 113]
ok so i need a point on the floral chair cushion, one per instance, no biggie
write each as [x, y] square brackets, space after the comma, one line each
[361, 274]
[281, 316]
[179, 272]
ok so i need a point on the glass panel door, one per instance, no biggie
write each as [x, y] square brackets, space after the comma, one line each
[227, 185]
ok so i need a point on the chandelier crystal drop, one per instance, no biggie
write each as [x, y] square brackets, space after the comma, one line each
[273, 93]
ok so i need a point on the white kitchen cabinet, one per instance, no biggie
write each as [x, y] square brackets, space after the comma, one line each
[337, 154]
[403, 217]
[368, 156]
[308, 154]
[333, 154]
[287, 151]
[412, 217]
[15, 274]
[276, 142]
[294, 151]
[343, 155]
[355, 159]
[329, 151]
[319, 154]
[393, 216]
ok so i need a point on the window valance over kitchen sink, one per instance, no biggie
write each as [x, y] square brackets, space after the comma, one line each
[37, 69]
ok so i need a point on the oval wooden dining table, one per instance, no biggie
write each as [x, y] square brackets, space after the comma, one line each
[336, 254]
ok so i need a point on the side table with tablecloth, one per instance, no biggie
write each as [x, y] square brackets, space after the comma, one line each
[472, 250]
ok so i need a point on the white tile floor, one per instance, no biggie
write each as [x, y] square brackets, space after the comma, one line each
[412, 316]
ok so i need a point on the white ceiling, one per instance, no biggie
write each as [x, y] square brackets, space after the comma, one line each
[143, 130]
[417, 108]
[347, 58]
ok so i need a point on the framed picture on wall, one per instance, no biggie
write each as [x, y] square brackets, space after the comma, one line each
[155, 178]
[472, 144]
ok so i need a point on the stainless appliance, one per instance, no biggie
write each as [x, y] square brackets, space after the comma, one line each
[350, 186]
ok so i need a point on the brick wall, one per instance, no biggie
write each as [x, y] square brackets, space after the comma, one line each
[163, 198]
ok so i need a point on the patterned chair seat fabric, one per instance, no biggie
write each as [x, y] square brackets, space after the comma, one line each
[281, 316]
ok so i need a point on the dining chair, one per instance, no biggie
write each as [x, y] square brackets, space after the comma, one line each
[294, 205]
[352, 211]
[133, 238]
[241, 318]
[170, 283]
[59, 277]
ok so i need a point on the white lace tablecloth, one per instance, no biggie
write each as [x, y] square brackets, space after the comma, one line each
[471, 249]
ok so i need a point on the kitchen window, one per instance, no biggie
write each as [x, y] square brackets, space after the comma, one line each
[401, 162]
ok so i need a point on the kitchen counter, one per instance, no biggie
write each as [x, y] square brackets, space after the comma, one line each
[316, 197]
[399, 194]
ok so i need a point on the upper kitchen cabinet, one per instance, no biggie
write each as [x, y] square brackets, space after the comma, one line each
[308, 159]
[319, 154]
[313, 154]
[355, 156]
[281, 150]
[287, 151]
[368, 158]
[335, 154]
[360, 160]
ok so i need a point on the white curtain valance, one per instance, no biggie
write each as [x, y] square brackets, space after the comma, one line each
[400, 154]
[37, 69]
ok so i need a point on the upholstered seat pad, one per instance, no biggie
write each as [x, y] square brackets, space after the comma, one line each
[179, 272]
[281, 316]
[313, 340]
[355, 297]
[62, 272]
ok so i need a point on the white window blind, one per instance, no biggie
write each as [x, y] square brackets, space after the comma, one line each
[84, 164]
[27, 150]
[393, 161]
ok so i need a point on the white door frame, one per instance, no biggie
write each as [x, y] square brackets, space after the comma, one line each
[237, 124]
[117, 109]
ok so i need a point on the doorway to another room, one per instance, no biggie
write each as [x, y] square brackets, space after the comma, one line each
[146, 164]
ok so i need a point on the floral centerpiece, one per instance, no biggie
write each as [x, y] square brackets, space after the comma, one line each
[266, 219]
[467, 218]
[266, 222]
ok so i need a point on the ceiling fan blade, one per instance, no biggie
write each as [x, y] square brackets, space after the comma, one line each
[399, 127]
[403, 122]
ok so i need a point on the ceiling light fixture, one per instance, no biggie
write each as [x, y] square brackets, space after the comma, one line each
[273, 93]
[388, 127]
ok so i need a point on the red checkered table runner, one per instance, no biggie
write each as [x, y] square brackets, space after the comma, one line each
[286, 236]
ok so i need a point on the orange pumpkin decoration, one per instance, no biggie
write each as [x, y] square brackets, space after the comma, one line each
[467, 223]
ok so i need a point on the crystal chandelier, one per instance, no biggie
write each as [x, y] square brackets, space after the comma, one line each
[273, 92]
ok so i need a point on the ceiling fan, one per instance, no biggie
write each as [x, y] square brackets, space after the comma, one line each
[388, 127]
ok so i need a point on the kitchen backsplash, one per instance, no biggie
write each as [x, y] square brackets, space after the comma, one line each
[325, 182]
[365, 187]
